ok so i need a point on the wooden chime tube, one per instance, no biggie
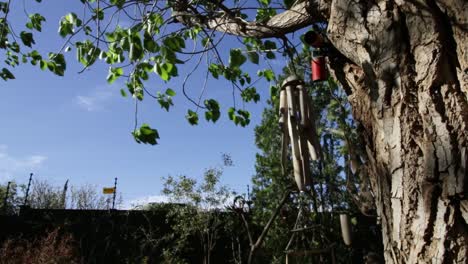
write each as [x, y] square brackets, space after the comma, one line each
[303, 130]
[283, 107]
[345, 229]
[312, 137]
[303, 97]
[294, 138]
[283, 123]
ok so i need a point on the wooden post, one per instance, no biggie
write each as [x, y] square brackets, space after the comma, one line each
[27, 190]
[115, 192]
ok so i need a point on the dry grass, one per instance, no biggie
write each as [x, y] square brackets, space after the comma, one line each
[53, 248]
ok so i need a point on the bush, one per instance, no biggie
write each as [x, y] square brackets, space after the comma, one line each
[55, 247]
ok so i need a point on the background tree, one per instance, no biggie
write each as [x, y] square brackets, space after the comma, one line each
[402, 64]
[12, 201]
[200, 213]
[89, 197]
[45, 195]
[329, 197]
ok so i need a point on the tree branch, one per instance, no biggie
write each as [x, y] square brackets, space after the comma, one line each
[301, 15]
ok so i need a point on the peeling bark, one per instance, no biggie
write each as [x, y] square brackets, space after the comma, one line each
[407, 79]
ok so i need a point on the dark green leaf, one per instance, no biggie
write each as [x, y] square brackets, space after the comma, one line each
[5, 74]
[123, 93]
[145, 134]
[192, 117]
[27, 38]
[236, 59]
[212, 112]
[253, 57]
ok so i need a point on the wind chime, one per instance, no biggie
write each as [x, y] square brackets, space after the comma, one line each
[297, 123]
[297, 120]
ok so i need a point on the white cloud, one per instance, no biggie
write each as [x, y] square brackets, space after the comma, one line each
[11, 166]
[94, 101]
[141, 201]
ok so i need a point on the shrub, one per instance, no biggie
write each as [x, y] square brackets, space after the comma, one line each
[55, 247]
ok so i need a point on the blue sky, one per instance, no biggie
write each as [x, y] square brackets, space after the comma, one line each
[78, 127]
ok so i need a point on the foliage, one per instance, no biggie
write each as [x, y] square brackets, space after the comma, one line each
[199, 215]
[148, 47]
[329, 191]
[90, 197]
[54, 247]
[44, 195]
[12, 202]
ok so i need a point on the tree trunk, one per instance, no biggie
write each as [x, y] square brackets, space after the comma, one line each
[404, 65]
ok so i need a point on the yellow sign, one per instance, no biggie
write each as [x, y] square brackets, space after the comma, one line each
[108, 190]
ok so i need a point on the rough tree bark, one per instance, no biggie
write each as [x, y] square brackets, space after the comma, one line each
[404, 66]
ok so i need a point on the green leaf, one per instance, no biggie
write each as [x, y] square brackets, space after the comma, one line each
[118, 3]
[250, 94]
[231, 113]
[215, 70]
[136, 50]
[212, 112]
[35, 22]
[205, 42]
[253, 57]
[192, 117]
[68, 23]
[164, 100]
[114, 74]
[57, 64]
[98, 14]
[239, 117]
[149, 44]
[236, 59]
[123, 93]
[43, 64]
[274, 93]
[174, 42]
[145, 134]
[170, 92]
[245, 117]
[156, 19]
[270, 55]
[27, 38]
[160, 69]
[269, 45]
[5, 74]
[268, 74]
[264, 14]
